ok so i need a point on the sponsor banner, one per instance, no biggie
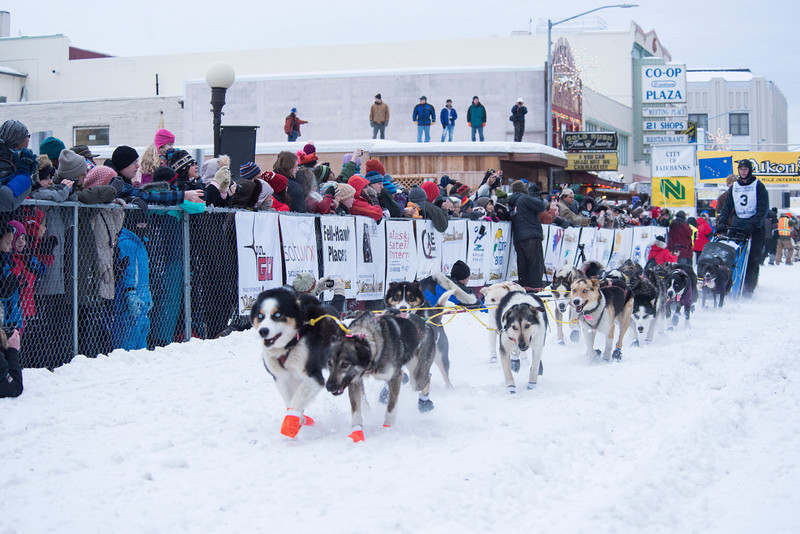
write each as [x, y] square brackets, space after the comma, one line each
[259, 256]
[675, 112]
[769, 167]
[454, 244]
[371, 259]
[513, 272]
[339, 251]
[603, 246]
[592, 161]
[429, 248]
[642, 238]
[665, 125]
[673, 192]
[672, 161]
[299, 238]
[663, 84]
[569, 248]
[590, 141]
[621, 250]
[500, 253]
[479, 251]
[401, 251]
[552, 250]
[666, 139]
[585, 244]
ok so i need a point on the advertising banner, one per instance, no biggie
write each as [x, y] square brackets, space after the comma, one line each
[642, 238]
[299, 238]
[500, 253]
[621, 250]
[258, 254]
[603, 246]
[552, 250]
[371, 259]
[339, 251]
[479, 251]
[590, 141]
[569, 248]
[663, 84]
[512, 273]
[585, 245]
[672, 161]
[429, 248]
[454, 244]
[401, 251]
[664, 125]
[592, 161]
[674, 192]
[769, 167]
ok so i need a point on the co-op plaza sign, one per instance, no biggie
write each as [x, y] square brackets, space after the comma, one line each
[663, 84]
[664, 111]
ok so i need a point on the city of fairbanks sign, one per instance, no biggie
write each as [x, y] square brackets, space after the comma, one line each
[673, 169]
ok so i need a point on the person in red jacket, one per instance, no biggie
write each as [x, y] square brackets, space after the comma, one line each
[361, 206]
[660, 253]
[704, 233]
[680, 238]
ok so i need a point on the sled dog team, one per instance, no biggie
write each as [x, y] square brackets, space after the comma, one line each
[302, 337]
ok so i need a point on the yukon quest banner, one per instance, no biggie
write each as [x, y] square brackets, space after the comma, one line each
[500, 254]
[429, 249]
[371, 261]
[259, 256]
[454, 245]
[479, 240]
[339, 251]
[401, 251]
[769, 167]
[299, 238]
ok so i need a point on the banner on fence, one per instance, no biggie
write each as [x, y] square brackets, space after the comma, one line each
[429, 248]
[371, 259]
[259, 256]
[585, 245]
[501, 251]
[622, 249]
[299, 238]
[401, 251]
[642, 238]
[569, 248]
[603, 246]
[339, 251]
[552, 249]
[479, 253]
[454, 244]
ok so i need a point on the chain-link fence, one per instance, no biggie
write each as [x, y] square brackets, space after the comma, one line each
[90, 279]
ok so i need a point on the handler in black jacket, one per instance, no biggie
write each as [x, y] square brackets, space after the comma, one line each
[10, 369]
[527, 231]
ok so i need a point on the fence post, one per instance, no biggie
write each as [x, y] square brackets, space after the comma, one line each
[75, 280]
[187, 284]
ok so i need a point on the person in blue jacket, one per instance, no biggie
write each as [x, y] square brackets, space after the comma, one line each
[440, 288]
[424, 115]
[448, 118]
[133, 297]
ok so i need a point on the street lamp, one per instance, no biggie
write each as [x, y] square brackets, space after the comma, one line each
[219, 77]
[548, 95]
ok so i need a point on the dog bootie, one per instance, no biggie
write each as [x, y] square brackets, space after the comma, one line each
[511, 390]
[493, 359]
[675, 320]
[291, 423]
[541, 368]
[307, 421]
[424, 405]
[531, 385]
[574, 336]
[383, 398]
[515, 365]
[405, 378]
[617, 354]
[561, 342]
[357, 434]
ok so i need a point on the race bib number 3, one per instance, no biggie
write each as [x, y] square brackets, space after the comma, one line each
[745, 199]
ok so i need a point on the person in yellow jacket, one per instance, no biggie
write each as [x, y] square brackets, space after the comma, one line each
[786, 226]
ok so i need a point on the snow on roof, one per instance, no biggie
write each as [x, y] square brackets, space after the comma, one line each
[732, 75]
[11, 72]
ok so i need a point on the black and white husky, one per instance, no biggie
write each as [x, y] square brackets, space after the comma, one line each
[522, 324]
[561, 287]
[492, 295]
[649, 306]
[681, 284]
[295, 337]
[379, 346]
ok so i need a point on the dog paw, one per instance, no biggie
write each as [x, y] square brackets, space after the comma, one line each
[531, 385]
[356, 435]
[493, 359]
[383, 398]
[574, 336]
[617, 354]
[541, 368]
[561, 342]
[424, 406]
[635, 343]
[598, 352]
[675, 320]
[511, 390]
[291, 426]
[515, 365]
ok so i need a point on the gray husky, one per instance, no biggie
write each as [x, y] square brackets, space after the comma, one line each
[649, 306]
[379, 346]
[522, 324]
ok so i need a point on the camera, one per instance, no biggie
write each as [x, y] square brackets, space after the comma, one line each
[9, 329]
[329, 284]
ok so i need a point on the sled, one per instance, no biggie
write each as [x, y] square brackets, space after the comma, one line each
[732, 249]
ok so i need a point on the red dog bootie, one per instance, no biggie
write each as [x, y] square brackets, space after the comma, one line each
[357, 434]
[291, 423]
[308, 421]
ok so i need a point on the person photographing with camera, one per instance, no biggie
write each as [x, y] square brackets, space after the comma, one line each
[10, 368]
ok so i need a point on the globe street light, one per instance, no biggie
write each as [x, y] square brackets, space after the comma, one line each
[548, 95]
[219, 77]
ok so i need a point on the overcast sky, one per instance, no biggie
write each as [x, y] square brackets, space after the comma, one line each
[702, 34]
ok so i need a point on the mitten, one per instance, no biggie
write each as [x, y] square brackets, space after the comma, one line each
[117, 183]
[27, 162]
[338, 286]
[138, 202]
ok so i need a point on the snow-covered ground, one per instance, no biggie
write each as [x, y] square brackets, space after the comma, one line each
[699, 432]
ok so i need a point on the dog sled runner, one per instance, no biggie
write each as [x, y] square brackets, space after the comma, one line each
[732, 250]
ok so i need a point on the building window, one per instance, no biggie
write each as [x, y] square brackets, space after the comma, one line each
[591, 127]
[739, 124]
[90, 135]
[623, 149]
[701, 119]
[3, 99]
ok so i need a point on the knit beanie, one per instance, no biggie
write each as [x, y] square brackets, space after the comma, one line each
[374, 165]
[123, 156]
[374, 177]
[344, 191]
[462, 190]
[322, 172]
[163, 137]
[51, 146]
[388, 184]
[210, 167]
[681, 215]
[483, 201]
[164, 174]
[100, 175]
[249, 170]
[180, 161]
[309, 149]
[19, 230]
[518, 186]
[13, 133]
[304, 158]
[358, 183]
[70, 165]
[459, 270]
[431, 190]
[83, 150]
[278, 182]
[347, 158]
[417, 195]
